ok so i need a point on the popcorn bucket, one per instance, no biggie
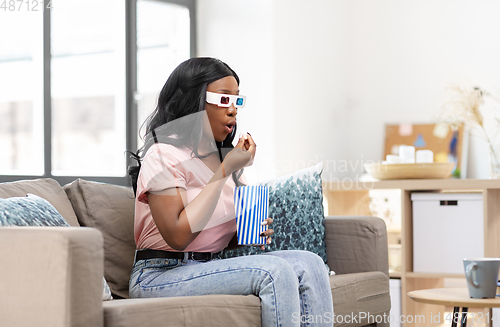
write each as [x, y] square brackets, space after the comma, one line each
[251, 205]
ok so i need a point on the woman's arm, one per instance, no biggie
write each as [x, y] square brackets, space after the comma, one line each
[180, 223]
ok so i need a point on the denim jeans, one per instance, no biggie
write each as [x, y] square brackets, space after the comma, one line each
[293, 286]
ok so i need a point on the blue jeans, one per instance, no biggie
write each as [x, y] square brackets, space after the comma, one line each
[293, 286]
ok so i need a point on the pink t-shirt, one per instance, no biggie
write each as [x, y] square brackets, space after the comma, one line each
[166, 166]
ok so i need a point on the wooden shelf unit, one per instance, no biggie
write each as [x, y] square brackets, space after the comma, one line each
[353, 199]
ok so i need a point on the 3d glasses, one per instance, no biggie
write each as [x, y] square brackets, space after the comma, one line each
[225, 100]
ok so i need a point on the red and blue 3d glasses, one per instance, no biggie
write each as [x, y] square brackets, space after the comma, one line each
[225, 100]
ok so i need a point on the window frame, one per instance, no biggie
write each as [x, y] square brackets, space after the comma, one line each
[132, 123]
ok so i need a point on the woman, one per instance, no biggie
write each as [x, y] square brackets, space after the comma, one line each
[185, 211]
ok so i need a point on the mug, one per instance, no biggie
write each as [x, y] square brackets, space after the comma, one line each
[482, 277]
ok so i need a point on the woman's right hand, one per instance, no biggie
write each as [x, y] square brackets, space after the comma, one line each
[241, 156]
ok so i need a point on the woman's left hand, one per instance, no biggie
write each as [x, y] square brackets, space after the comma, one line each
[266, 234]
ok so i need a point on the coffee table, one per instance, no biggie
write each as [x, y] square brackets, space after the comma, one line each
[455, 297]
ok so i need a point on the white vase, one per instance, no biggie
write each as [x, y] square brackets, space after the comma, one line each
[495, 162]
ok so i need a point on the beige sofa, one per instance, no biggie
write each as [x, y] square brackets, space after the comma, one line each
[52, 276]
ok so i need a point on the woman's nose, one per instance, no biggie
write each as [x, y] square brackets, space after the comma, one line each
[231, 110]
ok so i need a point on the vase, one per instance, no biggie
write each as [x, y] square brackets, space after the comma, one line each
[495, 162]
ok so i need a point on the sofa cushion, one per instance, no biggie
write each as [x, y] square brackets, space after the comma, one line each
[32, 210]
[359, 296]
[109, 208]
[46, 188]
[354, 296]
[296, 206]
[207, 311]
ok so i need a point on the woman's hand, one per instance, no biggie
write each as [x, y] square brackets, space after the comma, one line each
[241, 156]
[267, 233]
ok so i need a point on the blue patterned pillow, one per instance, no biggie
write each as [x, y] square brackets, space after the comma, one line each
[32, 210]
[296, 206]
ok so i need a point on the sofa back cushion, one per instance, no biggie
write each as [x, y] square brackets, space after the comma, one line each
[109, 208]
[45, 188]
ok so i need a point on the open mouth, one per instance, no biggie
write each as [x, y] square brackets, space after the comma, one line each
[230, 126]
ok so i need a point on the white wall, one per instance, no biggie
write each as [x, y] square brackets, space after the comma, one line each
[311, 85]
[402, 53]
[240, 33]
[339, 70]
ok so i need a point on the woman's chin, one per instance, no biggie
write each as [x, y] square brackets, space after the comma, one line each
[221, 137]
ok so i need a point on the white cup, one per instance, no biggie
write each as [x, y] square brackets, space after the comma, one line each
[407, 153]
[425, 156]
[393, 159]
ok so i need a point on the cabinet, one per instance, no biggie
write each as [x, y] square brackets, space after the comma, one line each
[457, 230]
[353, 199]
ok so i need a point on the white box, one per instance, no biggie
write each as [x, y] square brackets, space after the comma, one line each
[447, 227]
[495, 313]
[395, 292]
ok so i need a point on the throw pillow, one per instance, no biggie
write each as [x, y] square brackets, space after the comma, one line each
[296, 206]
[32, 210]
[110, 209]
[46, 188]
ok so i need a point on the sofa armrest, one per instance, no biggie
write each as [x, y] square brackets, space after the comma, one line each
[51, 276]
[356, 244]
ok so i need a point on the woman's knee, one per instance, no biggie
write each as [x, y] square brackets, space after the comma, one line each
[313, 263]
[278, 269]
[312, 258]
[303, 257]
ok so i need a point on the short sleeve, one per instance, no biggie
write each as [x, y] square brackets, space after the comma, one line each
[160, 170]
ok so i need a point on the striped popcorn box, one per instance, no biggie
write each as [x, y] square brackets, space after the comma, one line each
[251, 205]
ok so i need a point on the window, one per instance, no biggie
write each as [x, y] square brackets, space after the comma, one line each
[21, 96]
[88, 87]
[78, 80]
[162, 43]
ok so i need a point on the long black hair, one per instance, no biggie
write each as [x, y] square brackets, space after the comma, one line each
[183, 95]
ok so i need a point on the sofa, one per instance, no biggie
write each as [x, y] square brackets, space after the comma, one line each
[52, 276]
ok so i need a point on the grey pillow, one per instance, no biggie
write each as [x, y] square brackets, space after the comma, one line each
[109, 208]
[32, 210]
[296, 206]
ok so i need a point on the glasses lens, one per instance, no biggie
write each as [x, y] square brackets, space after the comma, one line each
[224, 100]
[239, 102]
